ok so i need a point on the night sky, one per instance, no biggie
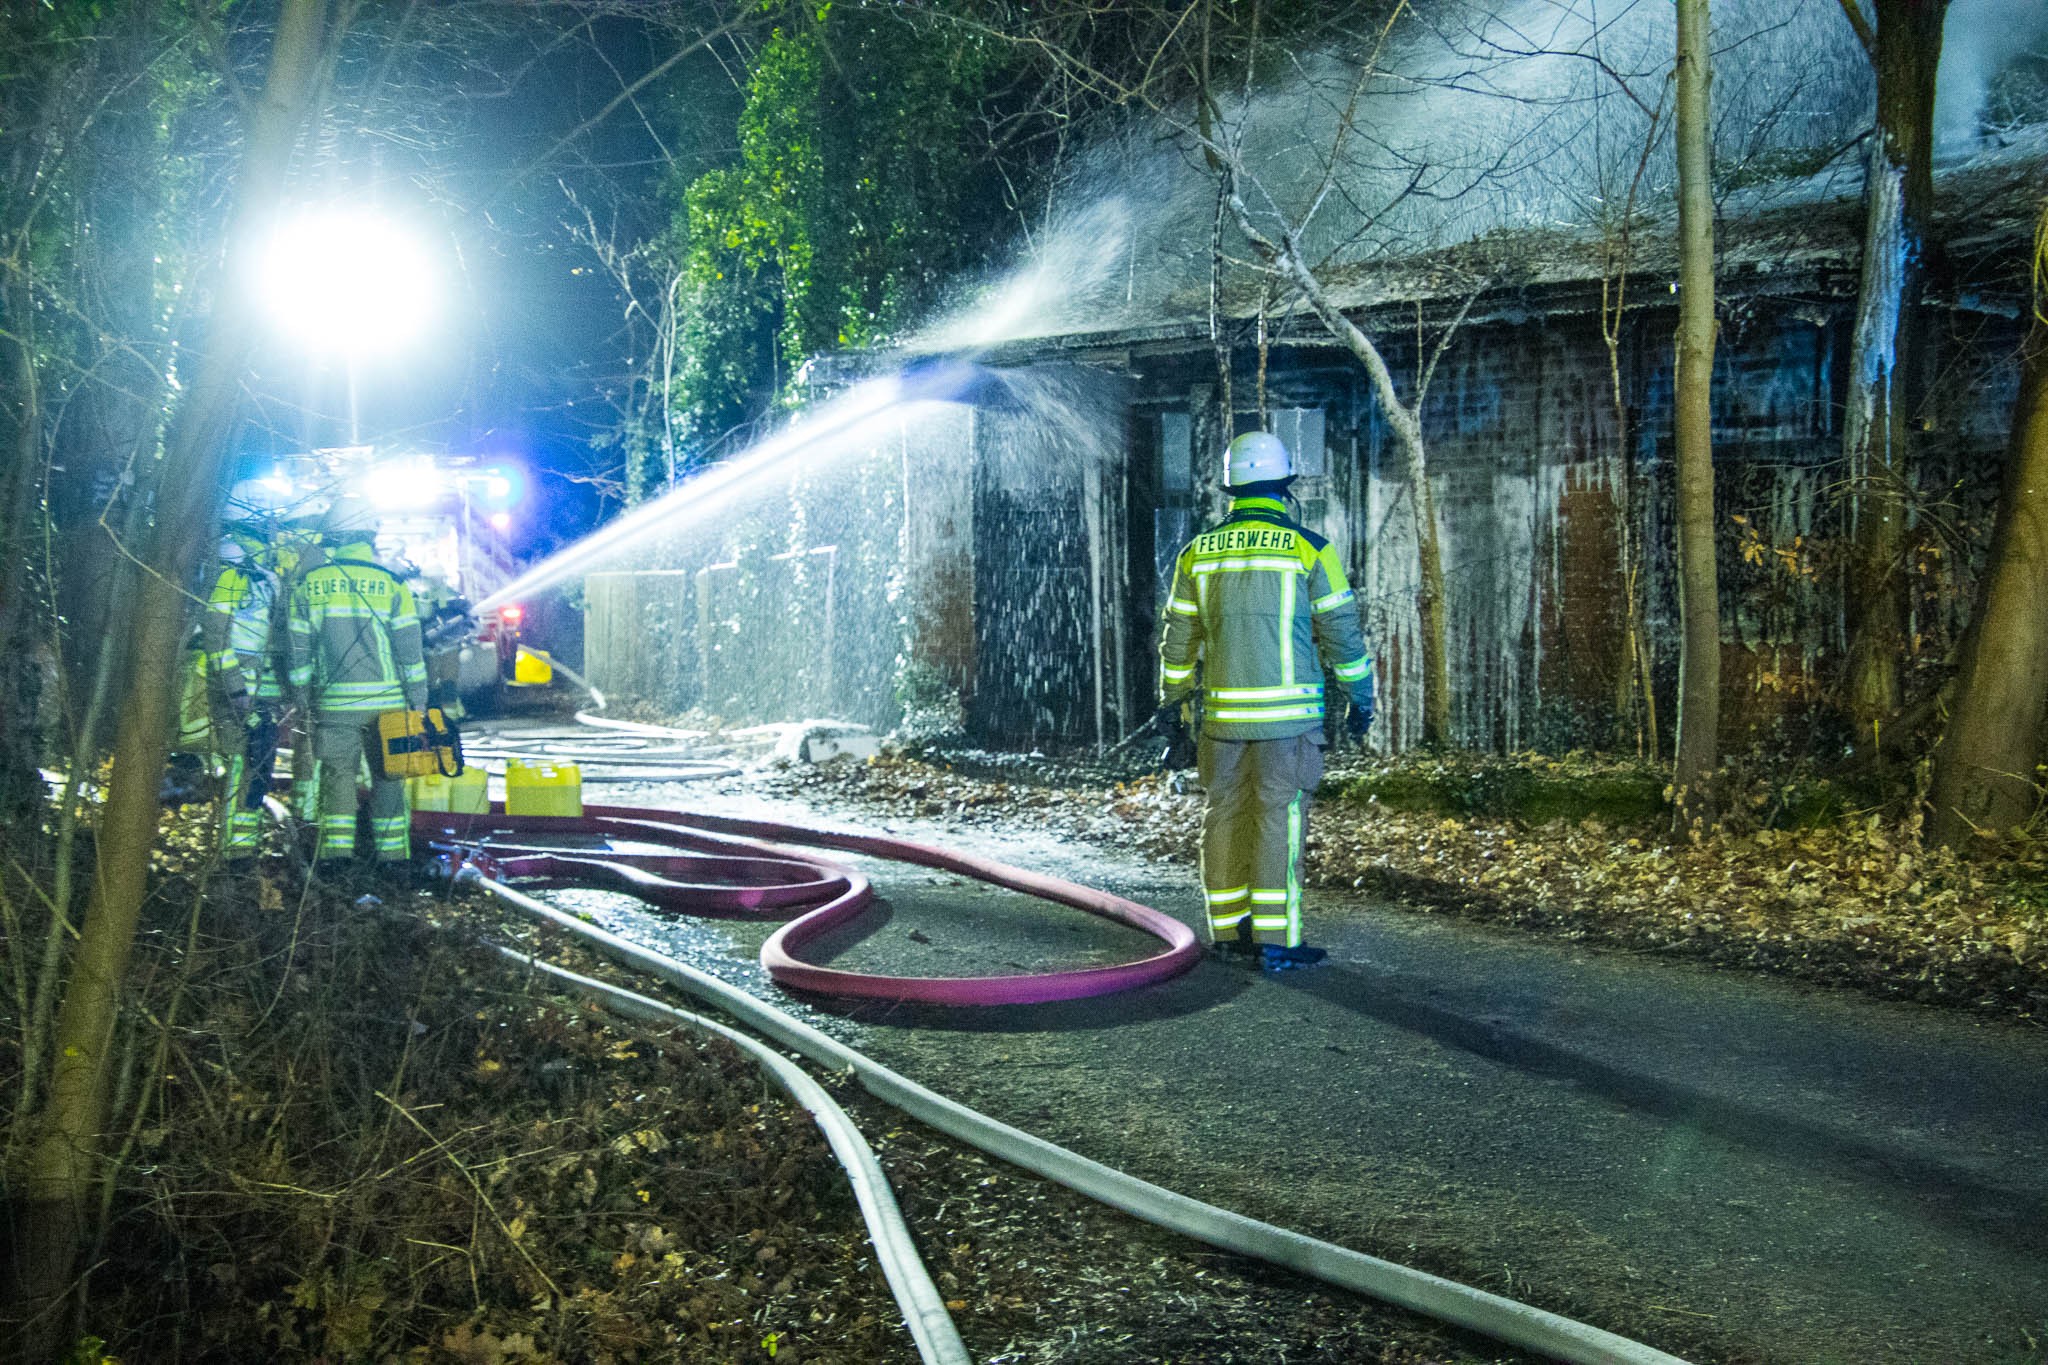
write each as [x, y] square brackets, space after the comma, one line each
[526, 335]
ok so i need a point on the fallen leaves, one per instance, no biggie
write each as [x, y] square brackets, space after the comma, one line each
[554, 1187]
[472, 1346]
[1857, 900]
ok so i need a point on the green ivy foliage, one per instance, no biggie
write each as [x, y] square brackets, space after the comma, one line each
[863, 182]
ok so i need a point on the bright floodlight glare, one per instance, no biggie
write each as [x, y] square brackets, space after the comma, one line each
[348, 280]
[397, 484]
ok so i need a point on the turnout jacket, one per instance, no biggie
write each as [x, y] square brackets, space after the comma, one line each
[238, 635]
[355, 636]
[1262, 605]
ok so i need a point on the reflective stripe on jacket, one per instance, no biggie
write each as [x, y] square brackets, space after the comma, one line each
[1262, 605]
[355, 636]
[238, 635]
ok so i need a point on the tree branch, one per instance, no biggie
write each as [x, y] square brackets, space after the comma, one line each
[223, 62]
[654, 73]
[1853, 11]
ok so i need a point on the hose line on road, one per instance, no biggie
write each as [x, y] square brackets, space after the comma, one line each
[611, 753]
[924, 1307]
[767, 880]
[1492, 1315]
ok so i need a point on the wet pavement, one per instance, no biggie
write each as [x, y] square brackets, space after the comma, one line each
[1734, 1168]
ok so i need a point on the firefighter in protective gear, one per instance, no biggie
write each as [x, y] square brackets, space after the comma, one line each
[444, 623]
[1260, 606]
[298, 550]
[238, 637]
[355, 652]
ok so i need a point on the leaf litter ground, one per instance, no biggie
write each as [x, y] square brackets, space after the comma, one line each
[1858, 900]
[372, 1140]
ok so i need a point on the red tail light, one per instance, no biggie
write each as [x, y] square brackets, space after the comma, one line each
[511, 616]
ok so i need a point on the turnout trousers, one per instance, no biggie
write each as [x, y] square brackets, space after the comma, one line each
[1252, 834]
[345, 747]
[241, 829]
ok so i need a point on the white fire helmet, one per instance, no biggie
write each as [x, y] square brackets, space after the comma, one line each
[1256, 457]
[256, 499]
[350, 516]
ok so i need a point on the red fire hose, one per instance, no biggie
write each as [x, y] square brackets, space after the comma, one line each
[725, 870]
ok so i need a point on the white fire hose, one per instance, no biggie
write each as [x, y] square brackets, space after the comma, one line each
[1503, 1319]
[924, 1308]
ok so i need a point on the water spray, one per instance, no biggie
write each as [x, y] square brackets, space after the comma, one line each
[939, 381]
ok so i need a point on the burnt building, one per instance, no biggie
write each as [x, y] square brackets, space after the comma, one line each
[995, 564]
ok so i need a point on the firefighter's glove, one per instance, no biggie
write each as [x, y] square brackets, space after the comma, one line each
[1358, 720]
[1180, 745]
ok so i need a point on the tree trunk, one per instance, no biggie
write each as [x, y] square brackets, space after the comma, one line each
[18, 758]
[17, 312]
[1699, 659]
[1984, 777]
[63, 1162]
[1219, 327]
[1406, 421]
[1885, 389]
[1635, 700]
[1436, 668]
[103, 457]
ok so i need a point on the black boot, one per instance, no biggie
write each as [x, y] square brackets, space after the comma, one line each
[1274, 958]
[1240, 951]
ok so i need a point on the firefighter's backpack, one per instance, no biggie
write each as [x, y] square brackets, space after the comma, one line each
[416, 743]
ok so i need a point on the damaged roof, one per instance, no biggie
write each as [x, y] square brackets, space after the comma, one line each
[1797, 239]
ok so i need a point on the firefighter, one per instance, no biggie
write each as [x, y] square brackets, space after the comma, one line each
[238, 636]
[297, 550]
[1261, 606]
[355, 653]
[444, 624]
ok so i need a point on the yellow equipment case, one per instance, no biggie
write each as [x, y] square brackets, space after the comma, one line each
[543, 788]
[466, 793]
[415, 743]
[532, 668]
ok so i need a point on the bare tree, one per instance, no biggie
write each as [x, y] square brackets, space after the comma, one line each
[63, 1161]
[1635, 696]
[1985, 779]
[1886, 388]
[1285, 256]
[1619, 189]
[647, 281]
[1279, 227]
[1699, 659]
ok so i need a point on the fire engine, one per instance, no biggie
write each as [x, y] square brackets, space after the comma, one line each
[446, 527]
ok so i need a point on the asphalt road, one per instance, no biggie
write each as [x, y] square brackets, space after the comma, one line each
[1731, 1167]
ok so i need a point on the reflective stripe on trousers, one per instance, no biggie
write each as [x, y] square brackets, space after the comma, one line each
[241, 829]
[346, 752]
[1253, 831]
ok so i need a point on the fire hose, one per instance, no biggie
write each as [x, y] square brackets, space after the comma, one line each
[760, 879]
[613, 753]
[756, 880]
[924, 1307]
